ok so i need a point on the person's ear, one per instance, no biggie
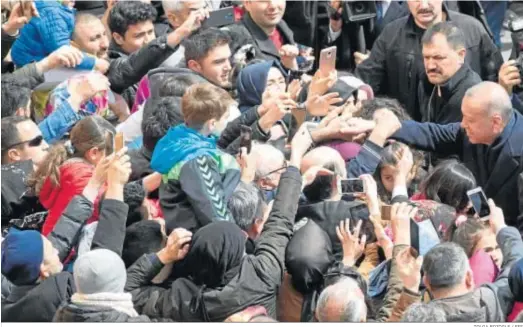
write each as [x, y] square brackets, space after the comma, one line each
[497, 122]
[194, 66]
[173, 19]
[469, 280]
[14, 155]
[462, 54]
[44, 272]
[93, 155]
[118, 38]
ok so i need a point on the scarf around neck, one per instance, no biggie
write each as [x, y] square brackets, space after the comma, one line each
[121, 302]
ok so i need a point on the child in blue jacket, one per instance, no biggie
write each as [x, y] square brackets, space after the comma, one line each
[44, 34]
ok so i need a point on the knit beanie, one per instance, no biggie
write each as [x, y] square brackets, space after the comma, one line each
[99, 271]
[515, 280]
[22, 256]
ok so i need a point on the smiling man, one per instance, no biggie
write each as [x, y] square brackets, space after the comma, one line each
[395, 64]
[448, 76]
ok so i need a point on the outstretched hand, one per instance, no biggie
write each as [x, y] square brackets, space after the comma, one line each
[177, 246]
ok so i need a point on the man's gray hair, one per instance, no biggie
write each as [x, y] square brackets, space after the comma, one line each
[424, 312]
[268, 159]
[449, 30]
[246, 205]
[172, 5]
[498, 100]
[341, 296]
[445, 266]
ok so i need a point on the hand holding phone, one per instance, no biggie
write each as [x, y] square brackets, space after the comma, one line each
[246, 138]
[118, 142]
[479, 202]
[328, 61]
[352, 186]
[219, 18]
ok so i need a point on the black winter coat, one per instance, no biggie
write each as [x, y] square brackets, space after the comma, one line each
[395, 65]
[452, 94]
[496, 167]
[257, 282]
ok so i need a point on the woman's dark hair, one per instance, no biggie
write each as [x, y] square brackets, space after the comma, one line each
[388, 158]
[133, 196]
[448, 184]
[90, 132]
[467, 234]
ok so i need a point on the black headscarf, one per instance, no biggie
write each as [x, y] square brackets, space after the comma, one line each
[216, 253]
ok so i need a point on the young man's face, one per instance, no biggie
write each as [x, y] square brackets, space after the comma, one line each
[216, 66]
[266, 13]
[91, 37]
[136, 36]
[31, 145]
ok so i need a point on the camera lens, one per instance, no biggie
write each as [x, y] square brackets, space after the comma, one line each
[359, 7]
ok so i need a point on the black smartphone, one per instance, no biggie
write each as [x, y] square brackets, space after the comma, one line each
[414, 235]
[219, 18]
[479, 202]
[352, 185]
[246, 138]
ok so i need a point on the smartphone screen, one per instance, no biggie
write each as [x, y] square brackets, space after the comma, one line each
[246, 138]
[352, 185]
[414, 235]
[428, 236]
[327, 61]
[479, 202]
[385, 212]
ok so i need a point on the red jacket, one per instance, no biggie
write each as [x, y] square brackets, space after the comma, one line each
[74, 176]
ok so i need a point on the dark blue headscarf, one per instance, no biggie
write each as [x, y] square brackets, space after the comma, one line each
[252, 81]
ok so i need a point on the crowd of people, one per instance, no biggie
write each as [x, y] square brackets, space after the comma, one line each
[155, 168]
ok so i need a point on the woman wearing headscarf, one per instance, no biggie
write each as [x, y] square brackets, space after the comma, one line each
[221, 280]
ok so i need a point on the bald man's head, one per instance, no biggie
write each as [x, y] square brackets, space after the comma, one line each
[486, 110]
[342, 302]
[90, 35]
[324, 156]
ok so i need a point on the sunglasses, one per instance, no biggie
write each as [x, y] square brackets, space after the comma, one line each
[37, 141]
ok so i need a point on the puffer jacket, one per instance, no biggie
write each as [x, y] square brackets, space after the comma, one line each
[257, 282]
[44, 34]
[74, 176]
[395, 65]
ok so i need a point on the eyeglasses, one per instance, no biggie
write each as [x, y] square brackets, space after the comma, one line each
[37, 141]
[274, 171]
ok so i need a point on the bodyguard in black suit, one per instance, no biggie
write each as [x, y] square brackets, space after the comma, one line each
[388, 11]
[489, 141]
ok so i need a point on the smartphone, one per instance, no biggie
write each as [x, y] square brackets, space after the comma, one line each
[352, 185]
[428, 236]
[385, 212]
[479, 202]
[219, 18]
[414, 235]
[328, 60]
[246, 138]
[118, 142]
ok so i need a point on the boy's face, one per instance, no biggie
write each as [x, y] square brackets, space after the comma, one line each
[136, 36]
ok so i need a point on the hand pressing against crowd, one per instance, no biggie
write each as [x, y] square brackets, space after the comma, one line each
[312, 173]
[247, 162]
[334, 127]
[288, 54]
[353, 246]
[17, 19]
[320, 84]
[371, 195]
[509, 76]
[177, 246]
[404, 167]
[401, 214]
[273, 108]
[118, 175]
[409, 269]
[65, 56]
[300, 144]
[191, 25]
[321, 105]
[83, 88]
[496, 218]
[387, 123]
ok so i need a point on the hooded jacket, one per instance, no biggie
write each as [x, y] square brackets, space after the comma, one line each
[395, 65]
[45, 34]
[256, 283]
[448, 110]
[91, 313]
[198, 178]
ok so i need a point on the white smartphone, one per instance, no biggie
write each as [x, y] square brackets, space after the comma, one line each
[479, 202]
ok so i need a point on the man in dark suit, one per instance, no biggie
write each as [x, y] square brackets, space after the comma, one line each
[344, 35]
[489, 141]
[265, 28]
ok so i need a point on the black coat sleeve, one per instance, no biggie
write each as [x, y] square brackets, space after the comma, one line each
[110, 232]
[373, 71]
[491, 58]
[127, 71]
[66, 233]
[269, 259]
